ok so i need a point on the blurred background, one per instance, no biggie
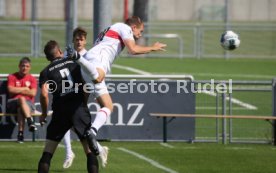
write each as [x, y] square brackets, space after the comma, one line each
[191, 28]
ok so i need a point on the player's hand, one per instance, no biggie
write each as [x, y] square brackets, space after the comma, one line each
[71, 53]
[159, 46]
[42, 119]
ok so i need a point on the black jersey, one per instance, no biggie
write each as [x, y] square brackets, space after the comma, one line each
[64, 80]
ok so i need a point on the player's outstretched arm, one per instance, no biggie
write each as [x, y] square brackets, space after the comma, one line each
[159, 46]
[135, 49]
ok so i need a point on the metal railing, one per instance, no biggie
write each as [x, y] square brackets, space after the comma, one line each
[170, 36]
[225, 129]
[201, 39]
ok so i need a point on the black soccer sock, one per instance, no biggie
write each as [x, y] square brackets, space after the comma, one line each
[20, 133]
[95, 130]
[92, 163]
[44, 162]
[30, 121]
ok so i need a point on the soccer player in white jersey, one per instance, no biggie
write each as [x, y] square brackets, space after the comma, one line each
[98, 60]
[79, 42]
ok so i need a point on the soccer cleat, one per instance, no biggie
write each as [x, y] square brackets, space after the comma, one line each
[68, 161]
[20, 138]
[32, 127]
[92, 142]
[104, 155]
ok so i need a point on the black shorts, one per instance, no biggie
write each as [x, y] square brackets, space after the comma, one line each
[66, 117]
[12, 106]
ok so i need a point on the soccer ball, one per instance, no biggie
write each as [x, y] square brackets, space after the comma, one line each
[230, 40]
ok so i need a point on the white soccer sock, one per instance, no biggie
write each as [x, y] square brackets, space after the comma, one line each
[101, 118]
[88, 68]
[67, 143]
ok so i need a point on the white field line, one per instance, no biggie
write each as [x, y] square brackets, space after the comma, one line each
[190, 148]
[198, 74]
[235, 75]
[19, 145]
[152, 162]
[233, 100]
[130, 69]
[166, 145]
[239, 148]
[29, 146]
[212, 108]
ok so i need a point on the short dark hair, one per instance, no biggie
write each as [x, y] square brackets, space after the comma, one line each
[25, 60]
[79, 31]
[49, 49]
[134, 20]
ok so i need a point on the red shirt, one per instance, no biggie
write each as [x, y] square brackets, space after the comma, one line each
[17, 81]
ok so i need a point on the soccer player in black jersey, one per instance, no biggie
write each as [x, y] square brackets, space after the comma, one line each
[68, 105]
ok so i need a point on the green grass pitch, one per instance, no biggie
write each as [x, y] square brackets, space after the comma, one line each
[141, 157]
[177, 157]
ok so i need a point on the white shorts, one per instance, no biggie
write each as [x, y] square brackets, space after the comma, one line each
[99, 88]
[99, 60]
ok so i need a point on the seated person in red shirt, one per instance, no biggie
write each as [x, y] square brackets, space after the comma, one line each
[22, 88]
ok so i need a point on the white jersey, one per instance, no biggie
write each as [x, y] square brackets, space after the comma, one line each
[109, 44]
[82, 52]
